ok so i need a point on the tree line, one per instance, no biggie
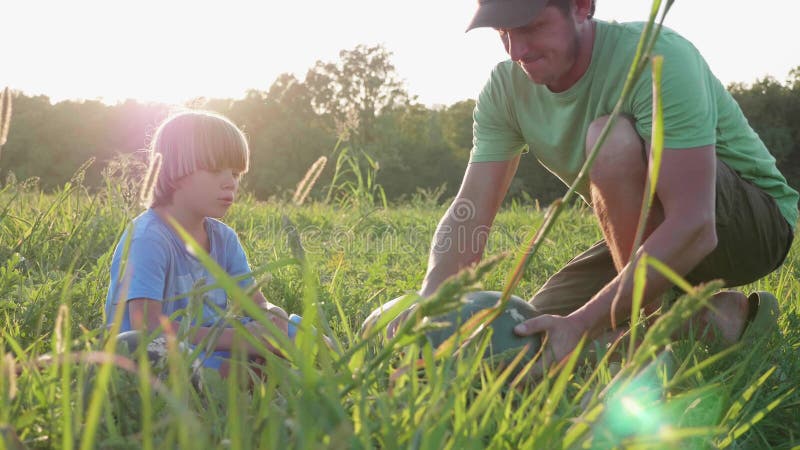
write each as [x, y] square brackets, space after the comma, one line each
[356, 104]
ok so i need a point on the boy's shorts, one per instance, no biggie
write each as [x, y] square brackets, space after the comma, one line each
[753, 239]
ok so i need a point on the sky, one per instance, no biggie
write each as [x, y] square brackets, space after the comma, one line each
[174, 50]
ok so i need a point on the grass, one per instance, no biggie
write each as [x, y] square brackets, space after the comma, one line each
[62, 385]
[58, 389]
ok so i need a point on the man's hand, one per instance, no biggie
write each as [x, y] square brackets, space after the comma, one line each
[376, 314]
[562, 334]
[395, 324]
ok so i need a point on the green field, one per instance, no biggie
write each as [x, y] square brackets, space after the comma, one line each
[55, 250]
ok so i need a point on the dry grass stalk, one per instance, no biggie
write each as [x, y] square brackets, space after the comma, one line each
[308, 181]
[5, 115]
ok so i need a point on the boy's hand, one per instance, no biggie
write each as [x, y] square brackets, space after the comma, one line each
[275, 313]
[278, 316]
[261, 333]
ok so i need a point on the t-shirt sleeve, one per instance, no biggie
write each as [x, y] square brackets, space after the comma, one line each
[147, 267]
[236, 261]
[689, 108]
[495, 133]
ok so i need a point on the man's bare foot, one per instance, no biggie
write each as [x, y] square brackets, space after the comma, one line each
[727, 316]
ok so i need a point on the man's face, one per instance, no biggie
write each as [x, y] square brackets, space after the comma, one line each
[546, 48]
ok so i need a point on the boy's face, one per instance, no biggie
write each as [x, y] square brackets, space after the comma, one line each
[207, 193]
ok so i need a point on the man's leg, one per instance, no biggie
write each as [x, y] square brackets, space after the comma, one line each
[617, 183]
[577, 282]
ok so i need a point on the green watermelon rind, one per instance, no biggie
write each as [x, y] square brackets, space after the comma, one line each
[504, 344]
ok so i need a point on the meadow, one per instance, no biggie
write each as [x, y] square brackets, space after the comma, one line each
[61, 388]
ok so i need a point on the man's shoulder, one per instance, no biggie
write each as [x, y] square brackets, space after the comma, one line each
[629, 33]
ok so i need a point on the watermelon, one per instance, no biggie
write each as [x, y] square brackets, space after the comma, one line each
[504, 344]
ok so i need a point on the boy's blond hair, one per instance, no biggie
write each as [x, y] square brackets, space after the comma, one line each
[190, 141]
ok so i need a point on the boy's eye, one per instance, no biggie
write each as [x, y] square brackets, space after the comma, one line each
[237, 174]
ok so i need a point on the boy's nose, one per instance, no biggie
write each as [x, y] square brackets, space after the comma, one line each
[229, 181]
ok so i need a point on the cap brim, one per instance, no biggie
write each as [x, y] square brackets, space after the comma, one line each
[505, 13]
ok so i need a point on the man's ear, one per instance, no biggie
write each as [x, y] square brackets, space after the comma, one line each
[581, 10]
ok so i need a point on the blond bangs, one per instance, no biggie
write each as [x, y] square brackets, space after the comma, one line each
[195, 140]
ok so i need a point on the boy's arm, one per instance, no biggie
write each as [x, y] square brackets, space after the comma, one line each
[236, 264]
[145, 315]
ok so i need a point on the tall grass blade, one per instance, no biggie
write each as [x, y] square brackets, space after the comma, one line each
[654, 166]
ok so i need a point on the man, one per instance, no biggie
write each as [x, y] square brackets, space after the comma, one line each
[722, 209]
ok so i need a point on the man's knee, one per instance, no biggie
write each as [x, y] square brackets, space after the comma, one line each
[622, 152]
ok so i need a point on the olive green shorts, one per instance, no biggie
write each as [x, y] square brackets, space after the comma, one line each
[753, 239]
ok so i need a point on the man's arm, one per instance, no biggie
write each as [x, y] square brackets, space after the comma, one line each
[686, 191]
[461, 235]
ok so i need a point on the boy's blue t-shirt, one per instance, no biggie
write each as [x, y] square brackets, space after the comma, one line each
[159, 267]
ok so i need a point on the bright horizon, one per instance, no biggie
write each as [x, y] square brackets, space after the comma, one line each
[174, 51]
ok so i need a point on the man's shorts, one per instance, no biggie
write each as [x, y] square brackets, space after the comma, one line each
[753, 239]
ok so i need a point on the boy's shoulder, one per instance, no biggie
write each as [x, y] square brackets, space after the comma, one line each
[220, 228]
[148, 226]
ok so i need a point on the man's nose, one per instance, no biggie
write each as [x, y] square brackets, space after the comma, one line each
[517, 46]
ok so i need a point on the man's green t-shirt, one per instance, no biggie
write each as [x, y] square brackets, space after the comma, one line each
[513, 113]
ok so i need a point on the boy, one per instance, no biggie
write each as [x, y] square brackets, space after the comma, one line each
[203, 155]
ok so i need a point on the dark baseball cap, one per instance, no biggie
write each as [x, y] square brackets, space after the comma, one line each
[505, 13]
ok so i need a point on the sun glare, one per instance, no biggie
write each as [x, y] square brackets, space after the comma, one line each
[178, 50]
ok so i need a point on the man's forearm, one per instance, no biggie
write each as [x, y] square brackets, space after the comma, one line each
[456, 245]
